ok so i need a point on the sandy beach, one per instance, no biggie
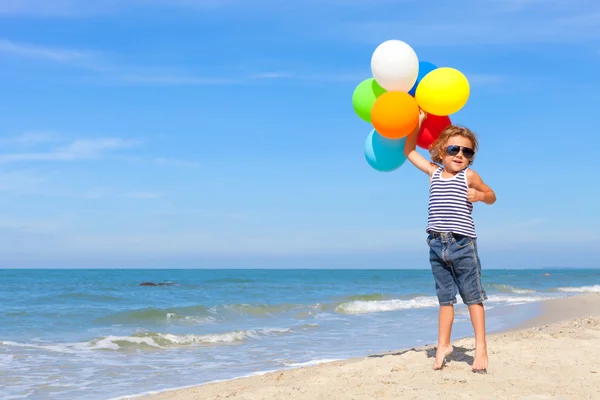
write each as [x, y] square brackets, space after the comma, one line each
[554, 356]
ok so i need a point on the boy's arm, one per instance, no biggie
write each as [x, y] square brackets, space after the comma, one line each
[479, 191]
[410, 150]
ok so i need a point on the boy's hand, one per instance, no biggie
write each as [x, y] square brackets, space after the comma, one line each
[422, 117]
[474, 195]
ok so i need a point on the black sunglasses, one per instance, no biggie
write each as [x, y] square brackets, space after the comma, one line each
[454, 150]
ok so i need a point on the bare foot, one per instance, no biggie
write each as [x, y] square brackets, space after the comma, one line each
[480, 363]
[440, 356]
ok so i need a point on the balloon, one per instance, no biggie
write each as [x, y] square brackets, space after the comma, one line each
[431, 129]
[395, 66]
[395, 115]
[364, 97]
[425, 67]
[443, 91]
[383, 154]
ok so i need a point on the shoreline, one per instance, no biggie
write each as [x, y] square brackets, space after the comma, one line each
[557, 317]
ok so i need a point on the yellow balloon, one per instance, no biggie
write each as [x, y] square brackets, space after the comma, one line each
[443, 91]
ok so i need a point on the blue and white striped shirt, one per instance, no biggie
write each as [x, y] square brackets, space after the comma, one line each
[449, 210]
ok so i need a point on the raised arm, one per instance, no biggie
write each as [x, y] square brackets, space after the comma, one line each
[410, 150]
[479, 191]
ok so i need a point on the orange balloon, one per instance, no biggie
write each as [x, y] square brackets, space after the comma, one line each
[395, 115]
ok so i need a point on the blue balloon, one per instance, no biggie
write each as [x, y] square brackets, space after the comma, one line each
[384, 154]
[425, 67]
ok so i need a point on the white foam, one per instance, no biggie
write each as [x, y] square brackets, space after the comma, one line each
[515, 299]
[311, 362]
[371, 306]
[523, 291]
[5, 359]
[154, 340]
[110, 342]
[374, 306]
[581, 289]
[70, 348]
[165, 340]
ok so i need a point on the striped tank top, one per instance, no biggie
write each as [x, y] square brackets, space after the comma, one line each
[449, 210]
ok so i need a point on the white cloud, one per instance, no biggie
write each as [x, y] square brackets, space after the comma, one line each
[30, 139]
[165, 78]
[45, 184]
[84, 148]
[106, 71]
[54, 184]
[77, 150]
[41, 52]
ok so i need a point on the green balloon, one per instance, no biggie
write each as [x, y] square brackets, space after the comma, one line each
[364, 97]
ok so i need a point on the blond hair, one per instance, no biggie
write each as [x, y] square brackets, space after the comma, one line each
[438, 148]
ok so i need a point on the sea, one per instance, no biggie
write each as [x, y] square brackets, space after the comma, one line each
[107, 333]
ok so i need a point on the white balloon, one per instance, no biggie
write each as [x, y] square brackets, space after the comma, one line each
[395, 66]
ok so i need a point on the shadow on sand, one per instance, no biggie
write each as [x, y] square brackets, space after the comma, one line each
[458, 355]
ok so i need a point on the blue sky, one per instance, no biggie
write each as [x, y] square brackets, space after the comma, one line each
[206, 133]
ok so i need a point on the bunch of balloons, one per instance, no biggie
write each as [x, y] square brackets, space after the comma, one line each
[390, 100]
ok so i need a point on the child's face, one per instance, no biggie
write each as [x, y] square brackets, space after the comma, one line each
[457, 162]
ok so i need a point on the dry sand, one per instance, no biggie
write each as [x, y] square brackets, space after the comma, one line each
[541, 361]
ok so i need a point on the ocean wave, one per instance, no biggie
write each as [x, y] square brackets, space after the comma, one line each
[259, 310]
[202, 315]
[580, 289]
[167, 340]
[516, 299]
[196, 314]
[366, 297]
[510, 289]
[351, 304]
[154, 340]
[375, 306]
[6, 359]
[364, 307]
[69, 348]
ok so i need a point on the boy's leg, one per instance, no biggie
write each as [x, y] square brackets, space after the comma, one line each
[444, 348]
[477, 312]
[446, 291]
[467, 268]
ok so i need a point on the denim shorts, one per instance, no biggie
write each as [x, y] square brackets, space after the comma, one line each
[456, 267]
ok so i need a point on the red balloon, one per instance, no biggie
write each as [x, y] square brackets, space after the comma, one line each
[431, 129]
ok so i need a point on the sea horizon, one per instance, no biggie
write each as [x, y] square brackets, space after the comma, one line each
[285, 268]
